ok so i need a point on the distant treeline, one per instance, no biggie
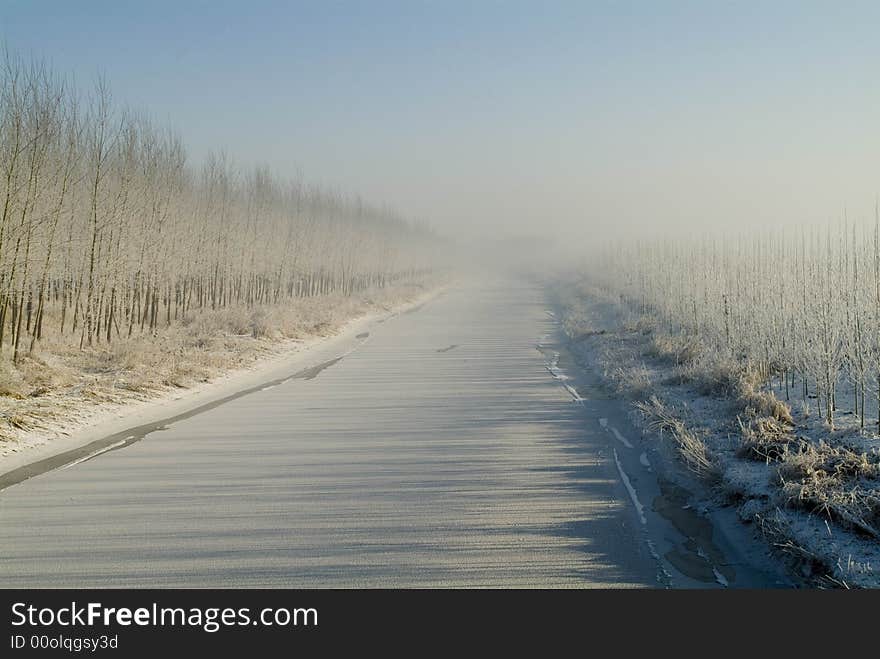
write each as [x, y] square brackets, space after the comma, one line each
[107, 231]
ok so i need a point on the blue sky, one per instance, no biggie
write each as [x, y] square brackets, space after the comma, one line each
[581, 116]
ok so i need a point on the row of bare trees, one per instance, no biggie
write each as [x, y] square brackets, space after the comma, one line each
[801, 305]
[106, 231]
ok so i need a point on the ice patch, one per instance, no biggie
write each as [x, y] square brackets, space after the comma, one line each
[96, 453]
[603, 422]
[720, 578]
[554, 369]
[556, 372]
[623, 440]
[574, 393]
[643, 458]
[640, 509]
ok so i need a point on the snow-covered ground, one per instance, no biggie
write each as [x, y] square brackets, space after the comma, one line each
[821, 549]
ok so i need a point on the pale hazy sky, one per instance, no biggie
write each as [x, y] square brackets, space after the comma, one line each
[592, 117]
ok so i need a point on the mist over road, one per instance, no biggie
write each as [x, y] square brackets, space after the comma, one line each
[439, 452]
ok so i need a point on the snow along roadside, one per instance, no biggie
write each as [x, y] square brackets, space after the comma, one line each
[819, 549]
[94, 421]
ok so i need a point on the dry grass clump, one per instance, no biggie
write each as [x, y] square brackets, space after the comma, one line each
[767, 432]
[673, 348]
[16, 420]
[629, 377]
[691, 447]
[834, 481]
[232, 321]
[724, 378]
[766, 438]
[761, 403]
[709, 374]
[719, 377]
[33, 376]
[634, 380]
[836, 461]
[12, 384]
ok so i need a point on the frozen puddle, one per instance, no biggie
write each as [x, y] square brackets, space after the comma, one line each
[696, 555]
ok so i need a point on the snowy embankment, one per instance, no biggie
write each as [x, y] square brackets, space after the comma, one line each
[814, 494]
[181, 369]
